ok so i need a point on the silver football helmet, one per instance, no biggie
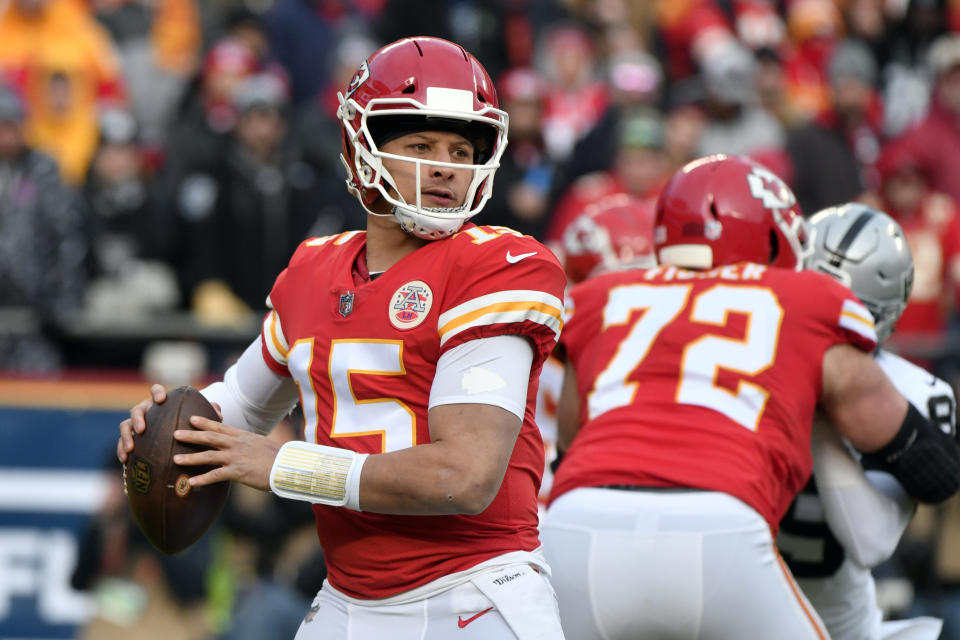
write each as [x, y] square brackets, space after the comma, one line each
[865, 249]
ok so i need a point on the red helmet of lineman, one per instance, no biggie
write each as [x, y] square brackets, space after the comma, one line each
[419, 84]
[615, 232]
[725, 209]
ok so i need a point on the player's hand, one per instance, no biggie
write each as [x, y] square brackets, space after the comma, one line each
[136, 423]
[237, 454]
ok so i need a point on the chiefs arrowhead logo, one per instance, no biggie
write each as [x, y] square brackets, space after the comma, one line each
[361, 76]
[767, 187]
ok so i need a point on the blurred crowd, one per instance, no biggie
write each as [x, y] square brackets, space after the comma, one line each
[168, 155]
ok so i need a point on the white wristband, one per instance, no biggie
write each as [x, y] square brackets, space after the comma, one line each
[317, 473]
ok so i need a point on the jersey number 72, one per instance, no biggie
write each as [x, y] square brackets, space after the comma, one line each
[703, 356]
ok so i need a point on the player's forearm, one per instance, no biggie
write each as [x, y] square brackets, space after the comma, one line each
[429, 479]
[924, 459]
[459, 471]
[859, 399]
[850, 499]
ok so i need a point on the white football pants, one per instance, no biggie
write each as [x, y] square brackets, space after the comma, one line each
[515, 602]
[670, 565]
[913, 629]
[847, 604]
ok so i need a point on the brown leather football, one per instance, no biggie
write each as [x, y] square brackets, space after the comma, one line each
[172, 514]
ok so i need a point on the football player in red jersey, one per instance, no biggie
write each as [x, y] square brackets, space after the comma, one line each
[615, 232]
[414, 349]
[690, 389]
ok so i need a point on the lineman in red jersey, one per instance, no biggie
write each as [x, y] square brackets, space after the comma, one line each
[615, 232]
[414, 348]
[696, 382]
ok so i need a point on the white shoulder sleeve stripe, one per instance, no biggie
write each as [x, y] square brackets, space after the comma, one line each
[274, 339]
[502, 307]
[855, 317]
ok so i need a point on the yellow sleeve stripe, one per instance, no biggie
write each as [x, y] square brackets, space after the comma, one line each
[855, 317]
[514, 295]
[274, 339]
[502, 307]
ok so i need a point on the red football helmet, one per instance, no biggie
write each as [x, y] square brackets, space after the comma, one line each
[725, 209]
[420, 84]
[615, 232]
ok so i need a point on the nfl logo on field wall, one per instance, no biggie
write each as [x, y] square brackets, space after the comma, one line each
[410, 304]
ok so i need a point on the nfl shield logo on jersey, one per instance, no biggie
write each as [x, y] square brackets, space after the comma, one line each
[346, 303]
[410, 304]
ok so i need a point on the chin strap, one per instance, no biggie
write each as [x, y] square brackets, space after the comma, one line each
[408, 222]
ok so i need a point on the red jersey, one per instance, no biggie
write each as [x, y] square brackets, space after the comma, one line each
[933, 233]
[706, 380]
[586, 190]
[364, 357]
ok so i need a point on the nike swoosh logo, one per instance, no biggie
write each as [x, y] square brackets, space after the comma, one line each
[517, 258]
[462, 623]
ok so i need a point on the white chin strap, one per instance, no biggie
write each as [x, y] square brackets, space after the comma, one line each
[423, 225]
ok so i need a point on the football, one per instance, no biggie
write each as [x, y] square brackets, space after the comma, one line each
[172, 514]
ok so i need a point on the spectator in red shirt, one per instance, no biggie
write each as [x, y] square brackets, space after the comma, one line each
[814, 27]
[931, 225]
[935, 141]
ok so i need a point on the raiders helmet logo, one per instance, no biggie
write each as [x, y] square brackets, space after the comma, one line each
[361, 76]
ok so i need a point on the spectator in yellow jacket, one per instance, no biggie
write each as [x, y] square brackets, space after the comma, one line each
[66, 66]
